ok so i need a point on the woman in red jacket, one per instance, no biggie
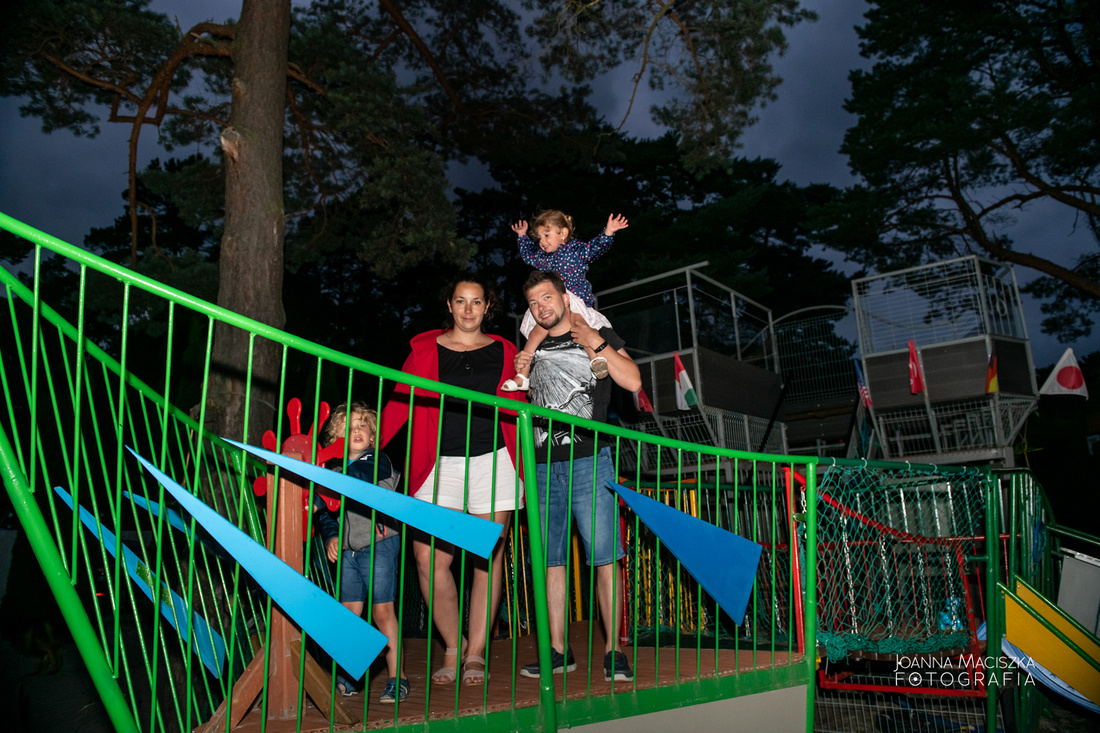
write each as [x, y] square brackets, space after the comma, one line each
[472, 472]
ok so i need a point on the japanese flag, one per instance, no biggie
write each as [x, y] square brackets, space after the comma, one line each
[1066, 378]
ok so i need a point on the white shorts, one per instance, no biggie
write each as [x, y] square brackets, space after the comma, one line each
[591, 316]
[451, 491]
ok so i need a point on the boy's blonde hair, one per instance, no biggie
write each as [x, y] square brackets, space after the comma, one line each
[555, 218]
[334, 427]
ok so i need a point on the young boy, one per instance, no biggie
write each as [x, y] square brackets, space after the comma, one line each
[360, 534]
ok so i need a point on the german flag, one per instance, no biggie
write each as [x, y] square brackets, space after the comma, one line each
[991, 385]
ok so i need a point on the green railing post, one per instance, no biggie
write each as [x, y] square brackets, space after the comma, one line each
[34, 524]
[994, 622]
[538, 574]
[809, 606]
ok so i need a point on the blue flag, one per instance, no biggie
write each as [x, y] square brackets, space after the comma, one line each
[722, 562]
[206, 643]
[475, 534]
[348, 639]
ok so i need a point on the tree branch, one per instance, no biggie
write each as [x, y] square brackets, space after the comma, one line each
[1059, 193]
[993, 246]
[664, 10]
[425, 53]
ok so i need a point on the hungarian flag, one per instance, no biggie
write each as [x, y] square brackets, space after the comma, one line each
[1066, 378]
[641, 401]
[916, 379]
[685, 393]
[991, 384]
[864, 393]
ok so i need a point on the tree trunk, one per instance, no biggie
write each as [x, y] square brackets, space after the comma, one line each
[251, 262]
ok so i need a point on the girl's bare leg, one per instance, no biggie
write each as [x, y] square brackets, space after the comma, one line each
[519, 382]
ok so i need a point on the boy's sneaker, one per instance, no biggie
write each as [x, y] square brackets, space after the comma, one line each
[615, 665]
[558, 663]
[396, 690]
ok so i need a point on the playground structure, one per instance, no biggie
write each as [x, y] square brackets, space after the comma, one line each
[862, 563]
[726, 344]
[820, 409]
[966, 323]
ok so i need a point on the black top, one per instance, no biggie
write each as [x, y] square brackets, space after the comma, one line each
[479, 370]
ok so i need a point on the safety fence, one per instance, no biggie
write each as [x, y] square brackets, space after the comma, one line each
[122, 365]
[85, 384]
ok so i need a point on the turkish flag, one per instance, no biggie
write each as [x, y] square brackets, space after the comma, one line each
[1066, 378]
[916, 379]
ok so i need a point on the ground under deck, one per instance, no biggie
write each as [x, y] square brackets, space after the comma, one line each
[439, 701]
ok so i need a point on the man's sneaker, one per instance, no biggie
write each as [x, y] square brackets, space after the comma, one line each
[615, 665]
[396, 690]
[558, 663]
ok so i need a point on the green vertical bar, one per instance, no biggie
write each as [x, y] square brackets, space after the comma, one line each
[538, 574]
[810, 603]
[1013, 523]
[994, 626]
[32, 522]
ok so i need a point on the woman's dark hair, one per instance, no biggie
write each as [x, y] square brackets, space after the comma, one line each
[492, 303]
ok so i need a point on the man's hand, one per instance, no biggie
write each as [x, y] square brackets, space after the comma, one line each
[614, 224]
[582, 333]
[332, 549]
[523, 361]
[520, 228]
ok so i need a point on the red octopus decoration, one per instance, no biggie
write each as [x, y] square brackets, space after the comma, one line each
[302, 444]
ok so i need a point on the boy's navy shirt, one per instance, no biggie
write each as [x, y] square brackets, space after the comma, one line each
[362, 468]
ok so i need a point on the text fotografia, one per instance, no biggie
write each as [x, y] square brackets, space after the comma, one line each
[967, 672]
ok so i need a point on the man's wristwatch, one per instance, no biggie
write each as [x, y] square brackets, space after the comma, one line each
[599, 348]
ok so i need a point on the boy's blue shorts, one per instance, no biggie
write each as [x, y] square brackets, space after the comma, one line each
[355, 572]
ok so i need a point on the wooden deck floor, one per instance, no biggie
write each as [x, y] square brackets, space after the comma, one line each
[446, 701]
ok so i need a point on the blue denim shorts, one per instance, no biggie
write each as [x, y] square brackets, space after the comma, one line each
[593, 506]
[355, 572]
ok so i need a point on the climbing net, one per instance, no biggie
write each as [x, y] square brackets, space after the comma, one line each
[892, 567]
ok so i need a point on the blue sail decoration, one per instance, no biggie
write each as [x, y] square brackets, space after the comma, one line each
[475, 534]
[347, 638]
[173, 517]
[207, 644]
[722, 562]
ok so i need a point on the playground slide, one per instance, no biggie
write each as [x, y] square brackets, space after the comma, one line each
[1051, 646]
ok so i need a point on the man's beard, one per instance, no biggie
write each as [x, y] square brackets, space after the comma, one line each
[553, 323]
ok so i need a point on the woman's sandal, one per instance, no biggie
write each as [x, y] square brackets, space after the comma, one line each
[447, 675]
[474, 676]
[518, 384]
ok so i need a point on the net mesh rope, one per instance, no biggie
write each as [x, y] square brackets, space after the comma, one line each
[892, 568]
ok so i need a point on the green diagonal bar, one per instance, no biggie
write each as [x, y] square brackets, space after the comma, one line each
[87, 643]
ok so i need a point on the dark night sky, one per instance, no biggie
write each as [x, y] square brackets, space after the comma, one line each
[64, 185]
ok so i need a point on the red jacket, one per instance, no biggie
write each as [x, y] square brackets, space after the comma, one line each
[423, 361]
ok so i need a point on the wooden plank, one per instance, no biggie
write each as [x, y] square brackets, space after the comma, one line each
[318, 686]
[245, 691]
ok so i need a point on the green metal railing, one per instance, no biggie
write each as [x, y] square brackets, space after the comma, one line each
[77, 394]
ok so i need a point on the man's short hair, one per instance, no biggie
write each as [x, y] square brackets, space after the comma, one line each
[538, 277]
